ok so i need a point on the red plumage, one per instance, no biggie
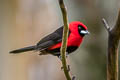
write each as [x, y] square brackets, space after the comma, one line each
[74, 38]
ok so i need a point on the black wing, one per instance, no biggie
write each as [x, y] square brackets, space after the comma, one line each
[51, 39]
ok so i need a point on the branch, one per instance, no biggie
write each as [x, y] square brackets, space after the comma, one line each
[113, 43]
[64, 40]
[117, 26]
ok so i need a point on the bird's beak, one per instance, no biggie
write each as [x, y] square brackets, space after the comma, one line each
[85, 32]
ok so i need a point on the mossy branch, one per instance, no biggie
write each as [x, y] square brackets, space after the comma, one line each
[64, 40]
[113, 43]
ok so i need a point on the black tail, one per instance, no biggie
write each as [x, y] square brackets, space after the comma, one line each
[30, 48]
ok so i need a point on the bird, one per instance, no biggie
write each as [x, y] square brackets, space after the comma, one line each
[51, 43]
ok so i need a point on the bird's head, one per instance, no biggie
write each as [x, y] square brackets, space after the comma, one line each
[80, 27]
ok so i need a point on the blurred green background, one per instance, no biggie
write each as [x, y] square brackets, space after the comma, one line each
[25, 22]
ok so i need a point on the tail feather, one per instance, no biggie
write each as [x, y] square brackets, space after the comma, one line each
[30, 48]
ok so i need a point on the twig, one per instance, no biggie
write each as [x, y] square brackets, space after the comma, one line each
[106, 25]
[113, 43]
[64, 40]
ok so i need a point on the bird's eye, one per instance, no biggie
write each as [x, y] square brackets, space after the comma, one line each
[79, 27]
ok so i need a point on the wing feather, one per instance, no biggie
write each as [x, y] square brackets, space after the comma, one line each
[51, 39]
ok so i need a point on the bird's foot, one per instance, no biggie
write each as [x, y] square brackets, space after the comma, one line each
[68, 68]
[60, 57]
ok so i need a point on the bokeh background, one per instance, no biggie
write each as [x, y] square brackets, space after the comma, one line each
[25, 22]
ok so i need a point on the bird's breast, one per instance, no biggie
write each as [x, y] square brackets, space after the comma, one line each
[74, 40]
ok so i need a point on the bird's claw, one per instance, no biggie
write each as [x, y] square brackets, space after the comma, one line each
[60, 57]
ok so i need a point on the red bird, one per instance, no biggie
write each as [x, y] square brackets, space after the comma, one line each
[51, 44]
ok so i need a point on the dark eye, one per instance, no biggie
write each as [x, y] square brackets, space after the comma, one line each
[79, 27]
